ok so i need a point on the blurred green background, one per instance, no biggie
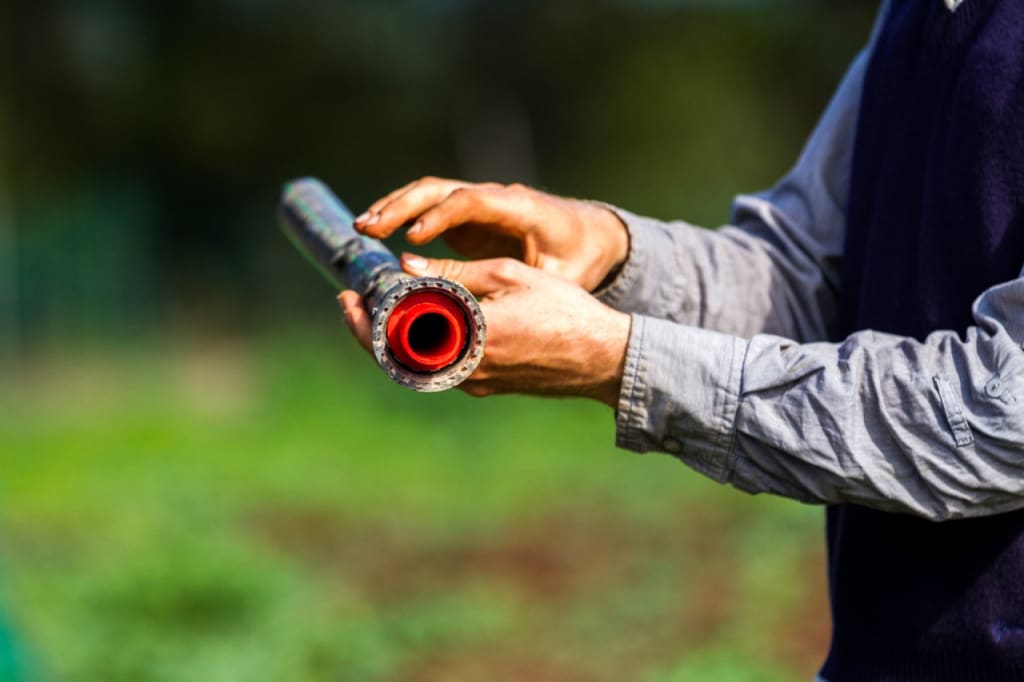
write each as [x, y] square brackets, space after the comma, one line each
[204, 479]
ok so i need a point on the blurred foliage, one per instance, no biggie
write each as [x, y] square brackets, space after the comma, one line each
[145, 143]
[199, 511]
[202, 480]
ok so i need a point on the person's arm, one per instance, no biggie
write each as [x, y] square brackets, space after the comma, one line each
[776, 269]
[933, 428]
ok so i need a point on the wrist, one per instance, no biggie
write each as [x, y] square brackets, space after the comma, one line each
[612, 240]
[613, 339]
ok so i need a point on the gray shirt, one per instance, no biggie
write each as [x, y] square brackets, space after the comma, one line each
[728, 367]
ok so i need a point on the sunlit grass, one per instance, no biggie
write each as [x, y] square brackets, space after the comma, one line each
[278, 510]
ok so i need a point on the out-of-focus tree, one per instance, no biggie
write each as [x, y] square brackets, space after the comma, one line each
[148, 140]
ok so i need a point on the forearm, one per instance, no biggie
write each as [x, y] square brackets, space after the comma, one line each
[933, 428]
[738, 280]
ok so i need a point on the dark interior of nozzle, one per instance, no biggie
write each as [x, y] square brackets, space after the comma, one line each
[431, 334]
[427, 331]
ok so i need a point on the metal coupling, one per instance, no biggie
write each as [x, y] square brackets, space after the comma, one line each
[428, 332]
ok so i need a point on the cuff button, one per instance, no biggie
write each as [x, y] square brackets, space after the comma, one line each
[995, 387]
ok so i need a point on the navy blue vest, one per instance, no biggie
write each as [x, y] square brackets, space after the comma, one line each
[936, 215]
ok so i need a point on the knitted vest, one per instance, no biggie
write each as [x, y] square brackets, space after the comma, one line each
[936, 215]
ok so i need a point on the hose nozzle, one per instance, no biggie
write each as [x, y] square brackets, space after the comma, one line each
[428, 332]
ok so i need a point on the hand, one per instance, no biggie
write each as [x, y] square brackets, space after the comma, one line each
[577, 240]
[545, 336]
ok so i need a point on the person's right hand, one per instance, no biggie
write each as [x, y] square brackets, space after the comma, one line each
[577, 240]
[545, 336]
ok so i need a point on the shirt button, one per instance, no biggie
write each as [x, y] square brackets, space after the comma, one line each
[672, 446]
[995, 387]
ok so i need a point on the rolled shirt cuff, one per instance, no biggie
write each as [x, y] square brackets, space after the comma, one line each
[651, 280]
[680, 393]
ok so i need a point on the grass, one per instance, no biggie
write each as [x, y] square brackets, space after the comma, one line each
[277, 510]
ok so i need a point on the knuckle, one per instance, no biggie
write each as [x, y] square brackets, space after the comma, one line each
[452, 269]
[477, 390]
[507, 268]
[427, 230]
[518, 187]
[464, 196]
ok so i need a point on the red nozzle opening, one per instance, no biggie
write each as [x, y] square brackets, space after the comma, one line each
[427, 331]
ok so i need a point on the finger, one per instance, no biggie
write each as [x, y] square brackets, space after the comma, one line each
[504, 209]
[480, 389]
[371, 215]
[376, 206]
[408, 205]
[481, 277]
[356, 318]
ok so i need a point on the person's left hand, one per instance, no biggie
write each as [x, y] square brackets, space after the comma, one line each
[545, 335]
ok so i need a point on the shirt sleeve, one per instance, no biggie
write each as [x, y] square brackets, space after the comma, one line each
[932, 428]
[775, 269]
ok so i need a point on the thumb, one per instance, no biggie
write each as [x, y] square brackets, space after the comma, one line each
[481, 277]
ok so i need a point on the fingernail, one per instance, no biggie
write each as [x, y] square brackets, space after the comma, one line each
[362, 217]
[416, 228]
[372, 220]
[413, 261]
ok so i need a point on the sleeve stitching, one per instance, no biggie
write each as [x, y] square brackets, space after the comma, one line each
[958, 424]
[730, 433]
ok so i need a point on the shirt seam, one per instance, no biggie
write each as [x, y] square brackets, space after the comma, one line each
[732, 454]
[628, 437]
